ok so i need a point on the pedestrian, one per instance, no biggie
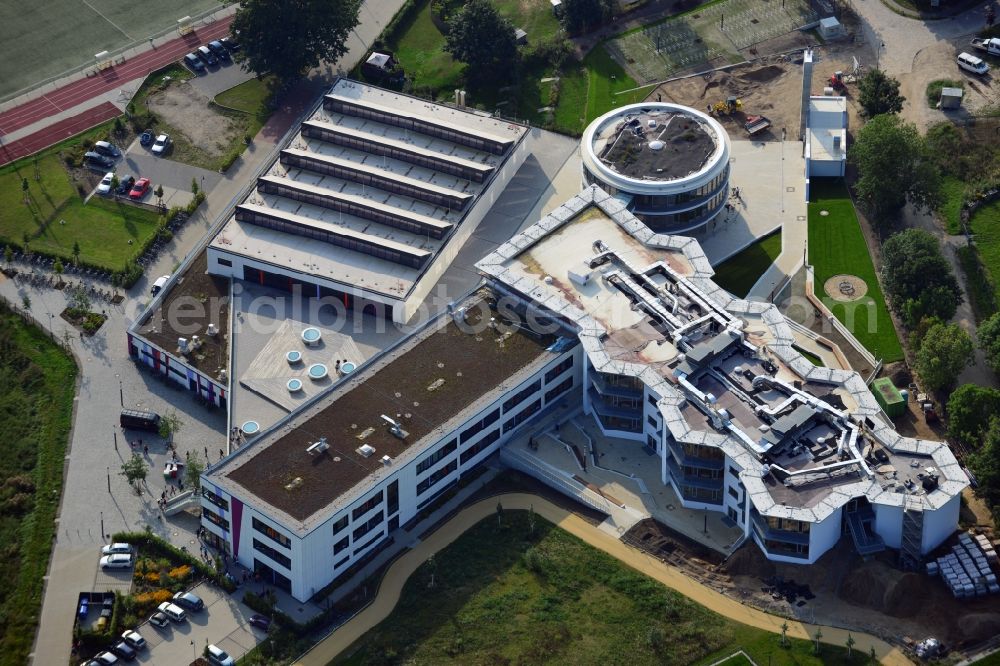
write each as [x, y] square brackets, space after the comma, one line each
[163, 495]
[181, 482]
[145, 449]
[221, 454]
[206, 454]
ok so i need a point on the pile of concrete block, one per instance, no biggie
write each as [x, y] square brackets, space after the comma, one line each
[968, 569]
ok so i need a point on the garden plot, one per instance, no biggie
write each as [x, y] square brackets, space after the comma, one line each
[707, 38]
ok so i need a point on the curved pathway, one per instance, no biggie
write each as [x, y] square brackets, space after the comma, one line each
[398, 573]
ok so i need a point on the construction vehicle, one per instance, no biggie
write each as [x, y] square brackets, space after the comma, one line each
[756, 124]
[837, 82]
[729, 106]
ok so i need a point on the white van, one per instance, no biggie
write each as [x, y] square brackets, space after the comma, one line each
[158, 286]
[175, 613]
[971, 63]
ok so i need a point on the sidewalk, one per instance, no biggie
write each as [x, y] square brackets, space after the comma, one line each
[392, 583]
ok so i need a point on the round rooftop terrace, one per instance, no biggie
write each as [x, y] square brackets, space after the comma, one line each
[655, 148]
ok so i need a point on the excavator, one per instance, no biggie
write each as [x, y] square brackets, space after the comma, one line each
[728, 107]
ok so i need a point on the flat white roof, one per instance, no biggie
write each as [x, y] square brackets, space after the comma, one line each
[827, 122]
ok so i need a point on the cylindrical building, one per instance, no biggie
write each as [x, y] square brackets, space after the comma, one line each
[669, 161]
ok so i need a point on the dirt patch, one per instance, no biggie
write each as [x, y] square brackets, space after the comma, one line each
[845, 288]
[763, 74]
[187, 110]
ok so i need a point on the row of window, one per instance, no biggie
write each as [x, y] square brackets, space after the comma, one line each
[366, 506]
[787, 524]
[215, 518]
[558, 390]
[521, 396]
[454, 200]
[271, 533]
[696, 494]
[215, 499]
[658, 201]
[367, 526]
[331, 202]
[280, 558]
[669, 222]
[331, 237]
[479, 426]
[620, 423]
[435, 477]
[559, 368]
[437, 456]
[341, 545]
[363, 144]
[522, 416]
[417, 125]
[480, 446]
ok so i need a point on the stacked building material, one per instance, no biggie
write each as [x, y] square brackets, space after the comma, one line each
[968, 569]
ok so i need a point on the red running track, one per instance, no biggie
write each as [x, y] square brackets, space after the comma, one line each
[84, 89]
[57, 132]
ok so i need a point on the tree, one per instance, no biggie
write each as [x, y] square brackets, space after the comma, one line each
[192, 471]
[817, 636]
[57, 268]
[8, 254]
[894, 165]
[988, 335]
[985, 465]
[76, 251]
[872, 656]
[970, 408]
[286, 39]
[784, 634]
[850, 645]
[158, 193]
[115, 182]
[26, 301]
[170, 425]
[581, 15]
[24, 191]
[25, 238]
[134, 470]
[484, 40]
[917, 278]
[194, 185]
[879, 93]
[943, 353]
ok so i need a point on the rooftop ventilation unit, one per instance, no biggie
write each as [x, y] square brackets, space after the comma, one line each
[213, 330]
[394, 427]
[365, 450]
[318, 447]
[182, 345]
[656, 145]
[386, 460]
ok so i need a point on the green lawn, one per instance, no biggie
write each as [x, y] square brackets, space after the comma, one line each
[836, 245]
[420, 50]
[57, 217]
[36, 408]
[248, 97]
[985, 225]
[953, 190]
[511, 595]
[740, 273]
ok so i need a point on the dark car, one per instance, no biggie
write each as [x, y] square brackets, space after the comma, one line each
[230, 44]
[206, 54]
[219, 50]
[262, 622]
[194, 62]
[124, 650]
[140, 420]
[189, 600]
[146, 138]
[106, 149]
[96, 159]
[125, 184]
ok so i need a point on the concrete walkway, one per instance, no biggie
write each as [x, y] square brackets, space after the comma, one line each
[397, 575]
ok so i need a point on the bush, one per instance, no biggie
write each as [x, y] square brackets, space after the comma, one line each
[171, 556]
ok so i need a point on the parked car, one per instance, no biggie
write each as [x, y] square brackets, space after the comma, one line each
[189, 600]
[174, 612]
[106, 149]
[134, 639]
[206, 54]
[158, 286]
[218, 657]
[262, 622]
[159, 619]
[125, 185]
[161, 144]
[124, 650]
[116, 548]
[105, 185]
[219, 50]
[140, 189]
[96, 159]
[146, 138]
[194, 62]
[139, 420]
[116, 561]
[106, 659]
[230, 44]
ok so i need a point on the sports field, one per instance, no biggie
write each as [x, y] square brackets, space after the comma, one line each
[39, 40]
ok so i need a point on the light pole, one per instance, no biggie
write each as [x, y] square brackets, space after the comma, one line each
[114, 433]
[102, 526]
[121, 393]
[878, 53]
[109, 480]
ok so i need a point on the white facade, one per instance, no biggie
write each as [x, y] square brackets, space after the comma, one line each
[826, 137]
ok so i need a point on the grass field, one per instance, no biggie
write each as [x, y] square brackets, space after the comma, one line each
[740, 273]
[39, 40]
[953, 190]
[985, 225]
[511, 595]
[36, 408]
[836, 245]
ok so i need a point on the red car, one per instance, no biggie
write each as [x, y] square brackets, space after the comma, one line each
[140, 189]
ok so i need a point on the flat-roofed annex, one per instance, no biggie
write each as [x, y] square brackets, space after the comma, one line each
[426, 384]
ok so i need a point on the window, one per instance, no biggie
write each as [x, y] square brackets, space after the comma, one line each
[215, 518]
[651, 421]
[368, 526]
[652, 399]
[392, 497]
[787, 524]
[521, 395]
[280, 558]
[342, 562]
[271, 533]
[367, 544]
[215, 499]
[558, 390]
[341, 545]
[732, 470]
[557, 370]
[224, 262]
[733, 493]
[522, 416]
[479, 446]
[437, 456]
[435, 477]
[367, 506]
[479, 426]
[340, 524]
